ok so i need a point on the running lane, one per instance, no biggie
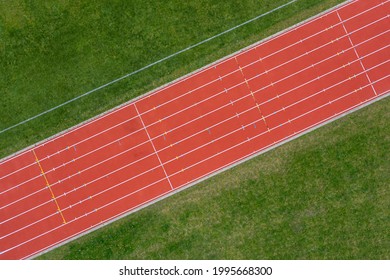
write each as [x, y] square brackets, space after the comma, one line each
[185, 131]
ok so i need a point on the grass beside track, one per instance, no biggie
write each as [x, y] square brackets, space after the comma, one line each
[324, 195]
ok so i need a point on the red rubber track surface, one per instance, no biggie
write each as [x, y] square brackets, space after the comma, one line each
[192, 128]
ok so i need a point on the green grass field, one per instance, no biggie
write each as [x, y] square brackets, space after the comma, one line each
[324, 195]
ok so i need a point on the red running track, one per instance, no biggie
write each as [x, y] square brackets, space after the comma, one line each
[194, 127]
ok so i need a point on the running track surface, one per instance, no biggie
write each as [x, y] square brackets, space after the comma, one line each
[190, 129]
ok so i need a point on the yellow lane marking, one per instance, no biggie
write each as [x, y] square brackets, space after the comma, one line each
[48, 185]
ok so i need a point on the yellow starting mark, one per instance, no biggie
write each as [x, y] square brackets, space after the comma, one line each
[48, 185]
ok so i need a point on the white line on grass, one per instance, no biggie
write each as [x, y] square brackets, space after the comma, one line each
[145, 67]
